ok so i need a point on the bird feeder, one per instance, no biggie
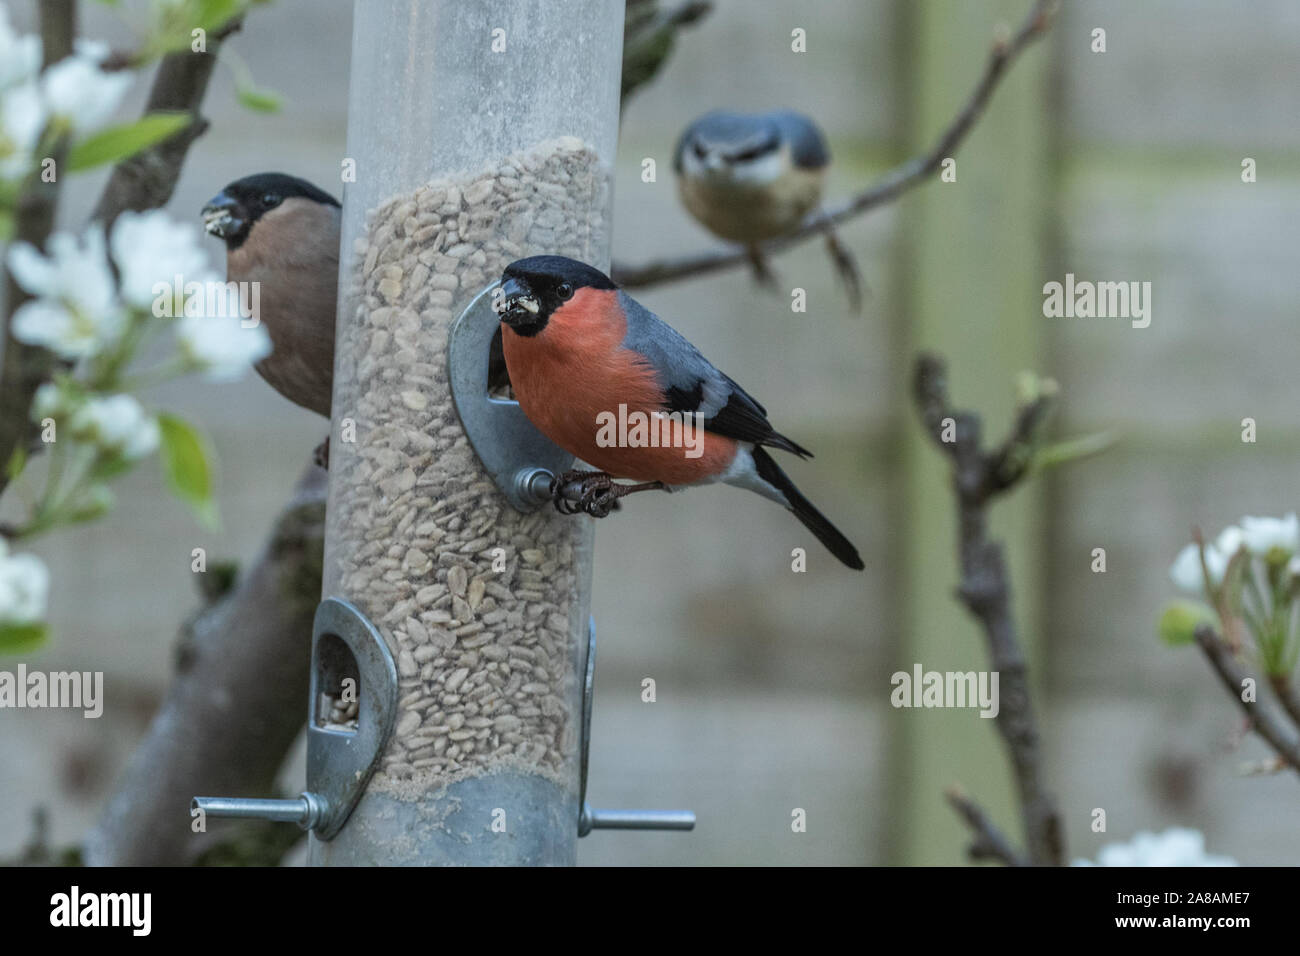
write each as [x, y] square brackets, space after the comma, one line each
[453, 654]
[477, 134]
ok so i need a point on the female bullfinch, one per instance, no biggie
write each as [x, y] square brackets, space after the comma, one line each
[612, 383]
[283, 233]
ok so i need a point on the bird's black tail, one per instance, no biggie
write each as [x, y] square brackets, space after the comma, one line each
[803, 509]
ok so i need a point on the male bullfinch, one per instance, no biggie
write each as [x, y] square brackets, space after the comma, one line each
[748, 178]
[283, 233]
[582, 354]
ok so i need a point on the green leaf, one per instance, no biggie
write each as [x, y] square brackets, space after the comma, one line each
[1179, 620]
[17, 461]
[120, 142]
[263, 101]
[216, 13]
[185, 458]
[21, 638]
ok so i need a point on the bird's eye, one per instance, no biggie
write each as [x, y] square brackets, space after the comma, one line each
[564, 290]
[700, 151]
[270, 200]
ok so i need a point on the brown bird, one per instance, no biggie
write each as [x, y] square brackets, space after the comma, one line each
[283, 233]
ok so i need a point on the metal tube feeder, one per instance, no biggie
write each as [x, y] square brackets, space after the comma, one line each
[480, 133]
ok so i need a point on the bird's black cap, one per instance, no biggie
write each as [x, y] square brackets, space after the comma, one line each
[279, 184]
[533, 288]
[230, 214]
[560, 269]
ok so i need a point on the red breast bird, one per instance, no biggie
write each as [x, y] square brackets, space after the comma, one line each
[581, 353]
[283, 233]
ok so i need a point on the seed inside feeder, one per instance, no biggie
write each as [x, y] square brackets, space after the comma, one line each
[485, 658]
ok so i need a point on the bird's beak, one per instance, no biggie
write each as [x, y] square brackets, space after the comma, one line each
[223, 217]
[519, 307]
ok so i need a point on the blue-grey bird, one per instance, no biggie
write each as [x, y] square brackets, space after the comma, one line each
[751, 177]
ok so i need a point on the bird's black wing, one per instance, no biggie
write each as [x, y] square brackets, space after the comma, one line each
[692, 384]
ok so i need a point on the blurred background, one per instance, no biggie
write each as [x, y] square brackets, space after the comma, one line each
[773, 687]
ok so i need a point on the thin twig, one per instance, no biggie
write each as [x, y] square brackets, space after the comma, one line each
[978, 478]
[888, 188]
[990, 843]
[1263, 719]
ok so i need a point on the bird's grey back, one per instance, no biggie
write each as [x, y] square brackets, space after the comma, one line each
[678, 364]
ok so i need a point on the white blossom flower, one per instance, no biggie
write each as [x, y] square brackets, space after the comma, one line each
[149, 248]
[20, 56]
[74, 90]
[1186, 571]
[1229, 542]
[24, 587]
[77, 310]
[96, 51]
[1177, 846]
[22, 118]
[1216, 562]
[77, 91]
[118, 424]
[68, 333]
[1262, 535]
[50, 401]
[47, 402]
[221, 346]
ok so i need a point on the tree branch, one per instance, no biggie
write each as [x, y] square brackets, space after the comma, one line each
[989, 843]
[1285, 690]
[978, 478]
[888, 188]
[58, 29]
[147, 179]
[1263, 719]
[236, 705]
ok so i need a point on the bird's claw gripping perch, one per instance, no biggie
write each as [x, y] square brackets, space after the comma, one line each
[573, 490]
[593, 492]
